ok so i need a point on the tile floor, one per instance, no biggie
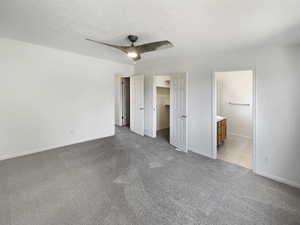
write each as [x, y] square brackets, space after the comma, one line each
[236, 150]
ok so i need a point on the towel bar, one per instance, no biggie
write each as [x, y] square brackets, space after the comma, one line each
[235, 103]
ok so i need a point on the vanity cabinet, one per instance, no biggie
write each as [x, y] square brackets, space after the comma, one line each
[221, 131]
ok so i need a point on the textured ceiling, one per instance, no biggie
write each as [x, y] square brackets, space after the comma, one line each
[195, 27]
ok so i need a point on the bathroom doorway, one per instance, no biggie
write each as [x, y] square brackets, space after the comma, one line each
[233, 114]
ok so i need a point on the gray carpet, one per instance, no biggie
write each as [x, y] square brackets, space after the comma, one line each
[133, 180]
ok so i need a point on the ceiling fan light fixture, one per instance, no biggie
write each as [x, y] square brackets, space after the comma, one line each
[132, 54]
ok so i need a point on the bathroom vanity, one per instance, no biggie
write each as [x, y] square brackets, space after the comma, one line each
[221, 129]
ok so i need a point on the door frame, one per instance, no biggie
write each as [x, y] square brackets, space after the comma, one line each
[214, 111]
[154, 107]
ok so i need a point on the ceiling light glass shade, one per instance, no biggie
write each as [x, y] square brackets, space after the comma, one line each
[132, 54]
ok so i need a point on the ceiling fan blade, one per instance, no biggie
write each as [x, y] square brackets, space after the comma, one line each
[122, 48]
[153, 46]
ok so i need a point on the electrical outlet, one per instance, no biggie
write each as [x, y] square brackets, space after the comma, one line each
[266, 159]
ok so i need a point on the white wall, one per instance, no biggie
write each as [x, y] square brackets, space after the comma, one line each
[162, 112]
[277, 93]
[52, 98]
[235, 87]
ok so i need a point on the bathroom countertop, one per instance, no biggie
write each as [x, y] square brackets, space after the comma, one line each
[219, 118]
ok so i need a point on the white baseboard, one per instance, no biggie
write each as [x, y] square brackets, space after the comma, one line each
[261, 173]
[279, 179]
[12, 155]
[197, 152]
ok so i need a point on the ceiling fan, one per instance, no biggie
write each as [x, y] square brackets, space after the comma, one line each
[135, 52]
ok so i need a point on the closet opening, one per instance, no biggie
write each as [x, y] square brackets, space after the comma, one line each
[168, 109]
[162, 107]
[163, 113]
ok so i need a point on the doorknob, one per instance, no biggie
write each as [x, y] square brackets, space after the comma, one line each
[141, 108]
[184, 116]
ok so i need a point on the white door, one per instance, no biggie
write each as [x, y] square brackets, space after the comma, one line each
[178, 112]
[137, 104]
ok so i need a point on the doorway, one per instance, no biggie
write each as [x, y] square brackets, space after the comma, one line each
[125, 101]
[233, 117]
[162, 89]
[170, 109]
[129, 102]
[122, 100]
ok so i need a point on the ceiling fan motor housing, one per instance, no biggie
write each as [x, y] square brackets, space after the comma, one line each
[132, 38]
